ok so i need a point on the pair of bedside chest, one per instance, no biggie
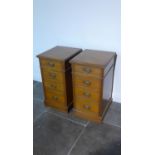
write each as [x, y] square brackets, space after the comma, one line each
[79, 79]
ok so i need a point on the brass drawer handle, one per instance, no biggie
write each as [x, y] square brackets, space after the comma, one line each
[53, 75]
[55, 97]
[51, 64]
[53, 86]
[87, 83]
[86, 94]
[86, 107]
[87, 70]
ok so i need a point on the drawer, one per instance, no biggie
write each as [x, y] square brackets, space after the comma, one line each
[84, 106]
[55, 97]
[87, 94]
[54, 86]
[87, 70]
[87, 82]
[48, 64]
[53, 76]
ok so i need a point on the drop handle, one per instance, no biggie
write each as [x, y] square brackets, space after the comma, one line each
[53, 75]
[86, 106]
[55, 97]
[87, 70]
[51, 64]
[87, 83]
[86, 94]
[53, 86]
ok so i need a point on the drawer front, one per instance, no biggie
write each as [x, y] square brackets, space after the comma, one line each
[87, 70]
[53, 76]
[87, 82]
[87, 94]
[54, 65]
[55, 97]
[86, 106]
[54, 86]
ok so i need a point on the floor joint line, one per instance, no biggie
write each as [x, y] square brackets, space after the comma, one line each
[39, 116]
[76, 140]
[112, 124]
[73, 121]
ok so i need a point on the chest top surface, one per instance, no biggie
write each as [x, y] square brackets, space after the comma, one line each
[59, 53]
[94, 57]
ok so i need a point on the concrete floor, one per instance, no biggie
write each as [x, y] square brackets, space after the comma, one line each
[57, 133]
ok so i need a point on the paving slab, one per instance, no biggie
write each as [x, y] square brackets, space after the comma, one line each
[53, 135]
[98, 139]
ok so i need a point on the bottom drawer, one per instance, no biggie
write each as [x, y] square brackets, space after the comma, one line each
[55, 98]
[56, 105]
[82, 105]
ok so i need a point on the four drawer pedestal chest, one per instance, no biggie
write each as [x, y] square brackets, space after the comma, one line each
[92, 74]
[56, 76]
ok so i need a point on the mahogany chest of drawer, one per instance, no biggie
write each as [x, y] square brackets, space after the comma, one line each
[56, 76]
[92, 74]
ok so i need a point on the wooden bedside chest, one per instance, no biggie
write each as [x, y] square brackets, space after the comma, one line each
[92, 74]
[57, 77]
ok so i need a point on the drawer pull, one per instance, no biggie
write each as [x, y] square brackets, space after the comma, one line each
[86, 107]
[51, 64]
[87, 70]
[53, 75]
[87, 83]
[53, 86]
[86, 94]
[55, 97]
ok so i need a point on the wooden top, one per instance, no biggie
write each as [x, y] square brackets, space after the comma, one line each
[94, 57]
[59, 53]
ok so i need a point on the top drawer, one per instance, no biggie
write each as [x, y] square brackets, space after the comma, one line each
[87, 70]
[49, 64]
